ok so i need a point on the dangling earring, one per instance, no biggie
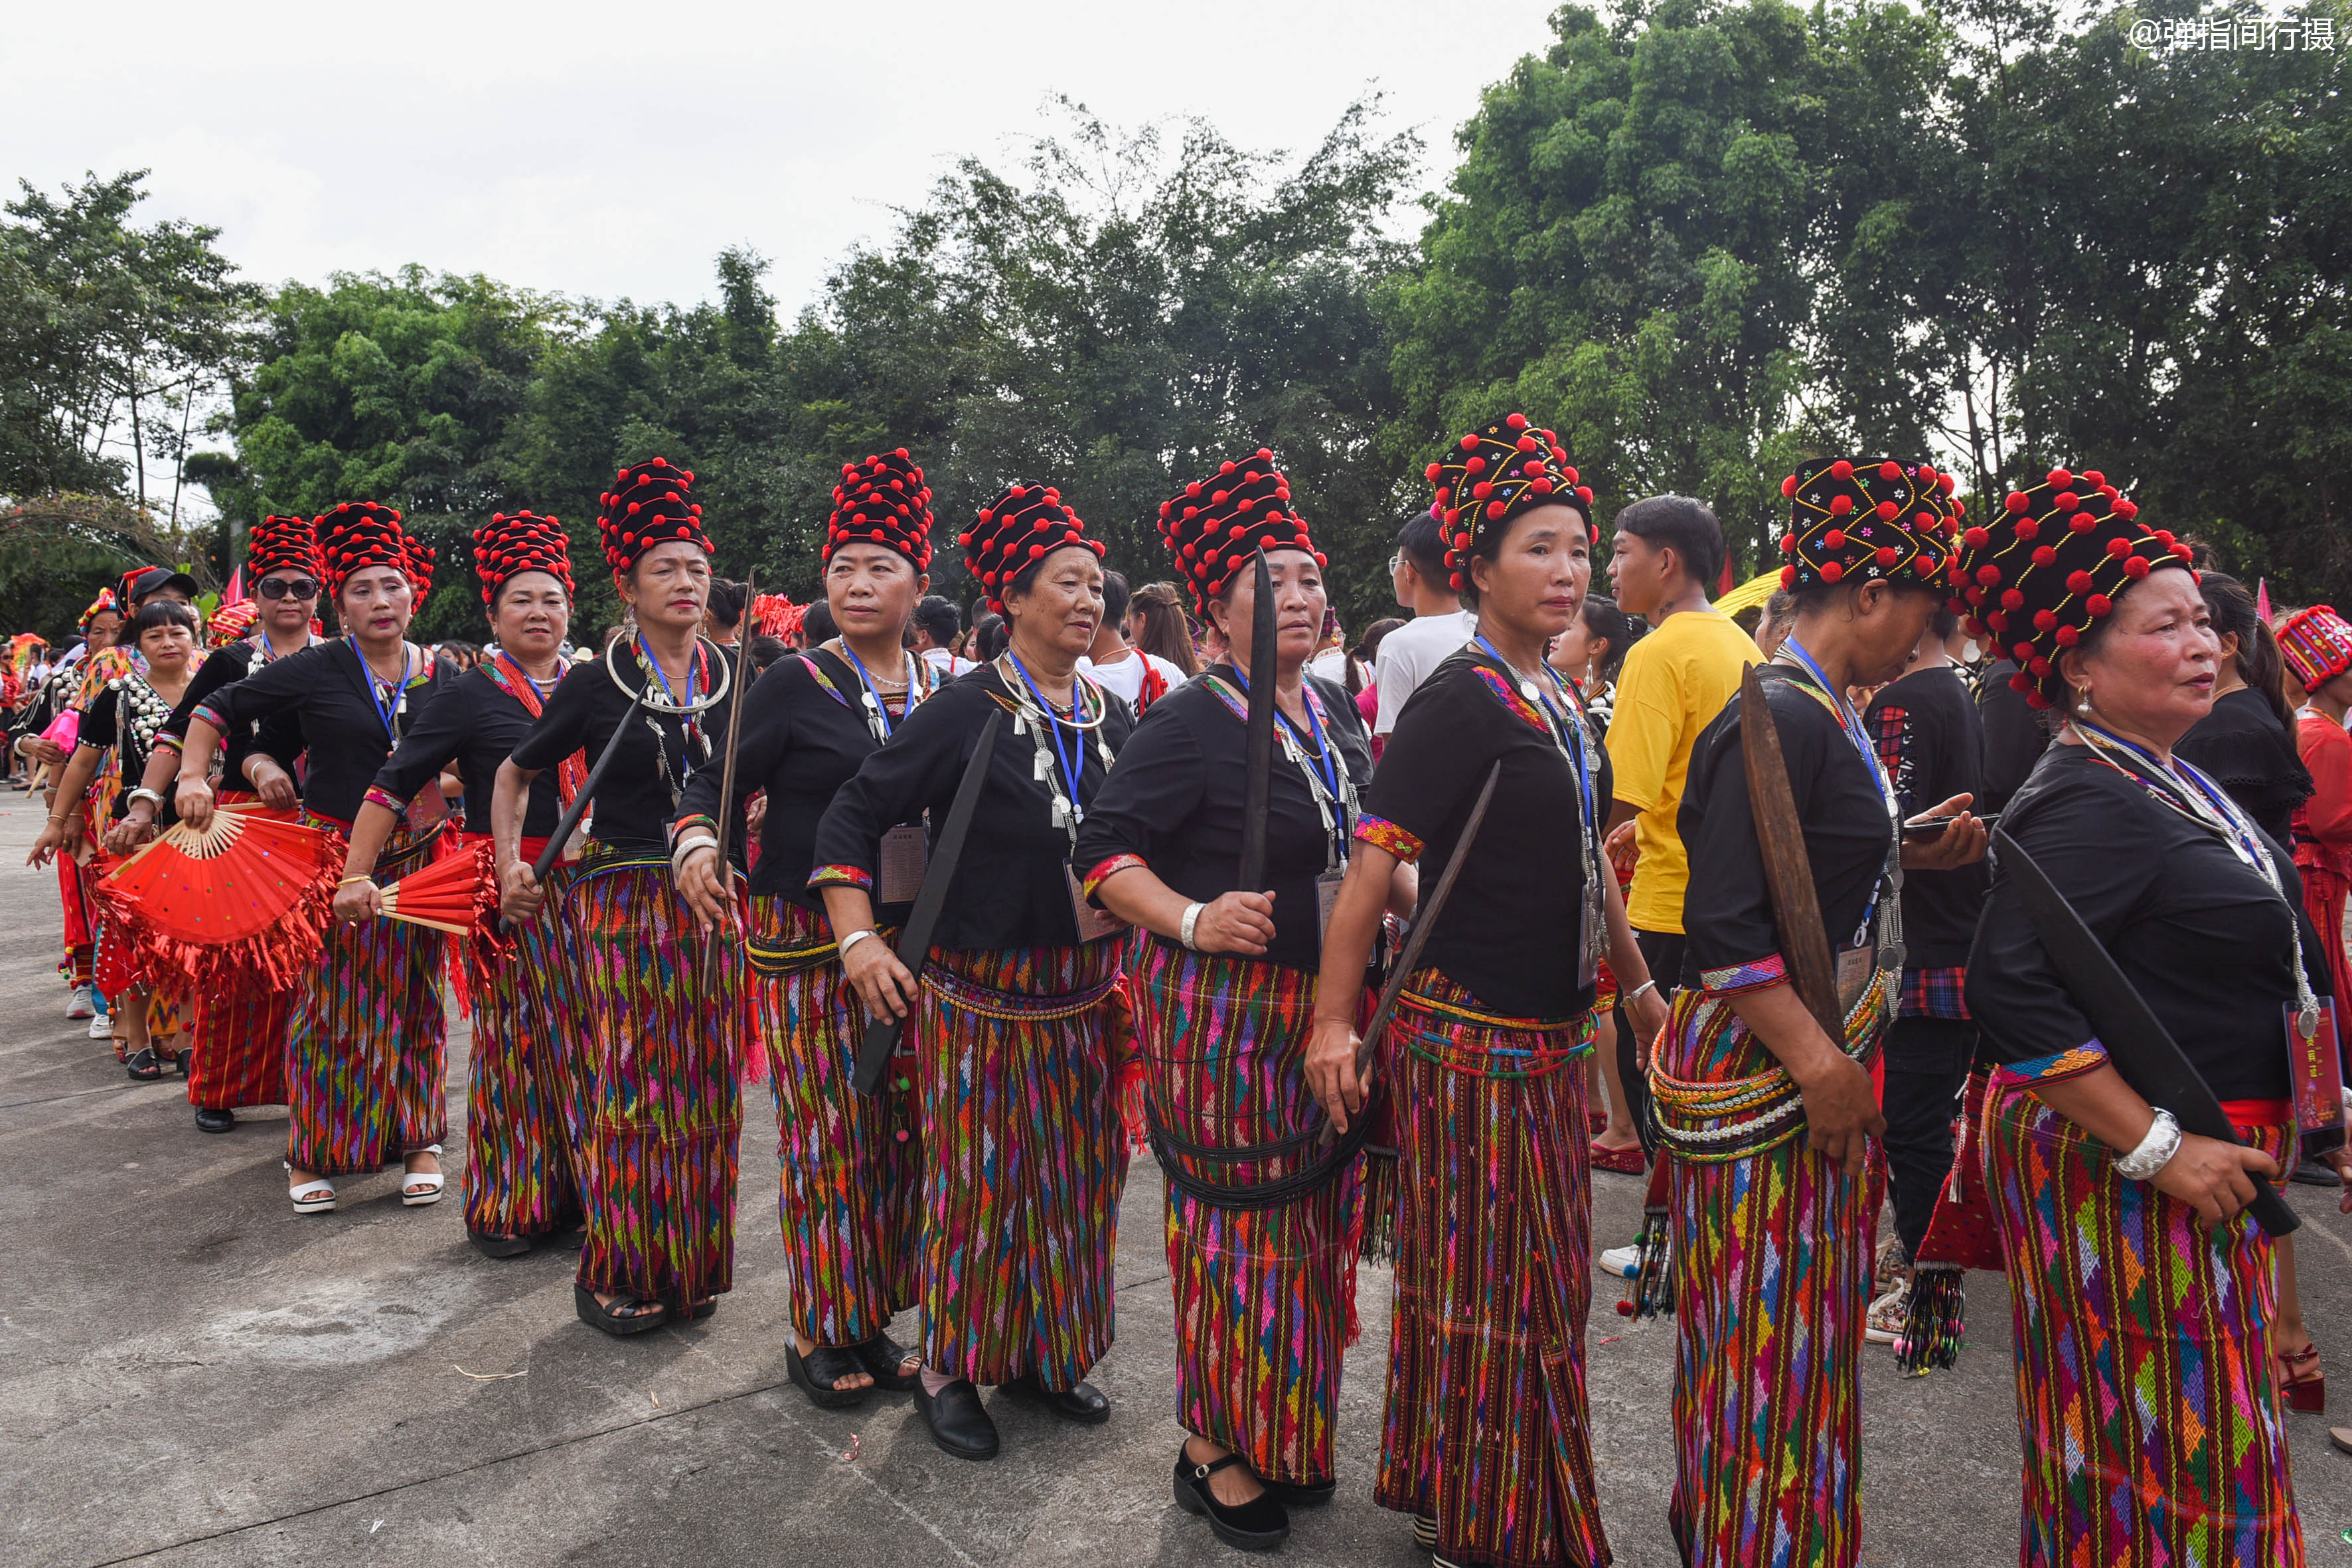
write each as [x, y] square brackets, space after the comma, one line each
[2083, 703]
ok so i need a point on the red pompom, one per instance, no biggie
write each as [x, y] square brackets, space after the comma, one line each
[1840, 505]
[1842, 470]
[1788, 577]
[2098, 603]
[2068, 636]
[1455, 579]
[1835, 539]
[1887, 510]
[1987, 575]
[2119, 547]
[2027, 529]
[1976, 539]
[1890, 470]
[1469, 444]
[1886, 554]
[2012, 599]
[2136, 567]
[2082, 523]
[1789, 486]
[2060, 479]
[1788, 544]
[2016, 502]
[2078, 582]
[1517, 421]
[1430, 474]
[2044, 556]
[2124, 509]
[2044, 619]
[1831, 571]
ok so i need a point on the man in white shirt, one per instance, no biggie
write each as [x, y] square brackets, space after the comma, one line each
[935, 626]
[1115, 665]
[1439, 628]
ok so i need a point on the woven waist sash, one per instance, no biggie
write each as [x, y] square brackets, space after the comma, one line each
[1709, 1121]
[1436, 1023]
[1012, 1007]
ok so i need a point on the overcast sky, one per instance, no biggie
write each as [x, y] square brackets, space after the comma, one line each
[612, 151]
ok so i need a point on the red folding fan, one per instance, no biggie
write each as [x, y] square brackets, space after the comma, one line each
[451, 895]
[238, 878]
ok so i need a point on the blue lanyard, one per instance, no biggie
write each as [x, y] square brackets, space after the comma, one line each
[2241, 828]
[1074, 757]
[1850, 722]
[693, 661]
[384, 710]
[875, 696]
[1560, 724]
[1326, 764]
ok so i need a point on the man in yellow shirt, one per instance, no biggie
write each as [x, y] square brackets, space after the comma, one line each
[1667, 550]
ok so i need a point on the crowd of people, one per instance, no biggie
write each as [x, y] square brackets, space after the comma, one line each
[990, 908]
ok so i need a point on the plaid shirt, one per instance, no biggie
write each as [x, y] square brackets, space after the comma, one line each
[1933, 994]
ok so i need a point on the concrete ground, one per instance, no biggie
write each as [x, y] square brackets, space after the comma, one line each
[198, 1376]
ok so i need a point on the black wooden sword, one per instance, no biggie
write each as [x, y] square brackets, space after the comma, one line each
[882, 1035]
[570, 821]
[2137, 1041]
[1257, 778]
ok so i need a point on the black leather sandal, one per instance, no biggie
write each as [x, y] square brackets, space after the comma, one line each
[627, 1316]
[143, 1065]
[820, 1374]
[490, 1246]
[1260, 1524]
[885, 1361]
[1084, 1405]
[181, 1057]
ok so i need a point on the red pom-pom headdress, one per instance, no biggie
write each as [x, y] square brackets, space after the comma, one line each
[105, 601]
[283, 544]
[231, 622]
[358, 534]
[2035, 576]
[882, 500]
[1490, 476]
[650, 504]
[1853, 522]
[1218, 523]
[516, 541]
[1021, 527]
[2317, 644]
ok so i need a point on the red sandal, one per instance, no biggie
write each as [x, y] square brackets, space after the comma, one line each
[1628, 1161]
[2305, 1392]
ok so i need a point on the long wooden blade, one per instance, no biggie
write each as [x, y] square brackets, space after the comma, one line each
[727, 780]
[1788, 869]
[2142, 1050]
[881, 1042]
[570, 821]
[1258, 782]
[1424, 920]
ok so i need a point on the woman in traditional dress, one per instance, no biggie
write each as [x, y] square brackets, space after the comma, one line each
[100, 625]
[1023, 1153]
[2147, 1398]
[660, 1022]
[525, 1103]
[243, 1010]
[1766, 1116]
[365, 1060]
[1224, 988]
[851, 1163]
[119, 731]
[1486, 1440]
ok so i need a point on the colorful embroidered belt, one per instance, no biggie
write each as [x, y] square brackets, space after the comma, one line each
[396, 858]
[795, 949]
[1706, 1121]
[1462, 1038]
[1012, 1006]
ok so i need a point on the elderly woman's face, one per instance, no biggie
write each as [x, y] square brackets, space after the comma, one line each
[2153, 672]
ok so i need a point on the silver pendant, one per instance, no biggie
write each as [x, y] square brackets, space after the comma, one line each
[1020, 725]
[1527, 690]
[1061, 812]
[1041, 767]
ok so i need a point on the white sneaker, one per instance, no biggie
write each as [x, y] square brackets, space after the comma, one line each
[83, 1004]
[1888, 1315]
[101, 1027]
[1619, 1262]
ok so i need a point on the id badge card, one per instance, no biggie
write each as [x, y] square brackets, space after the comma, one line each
[905, 855]
[1326, 899]
[1856, 966]
[1093, 924]
[2316, 1070]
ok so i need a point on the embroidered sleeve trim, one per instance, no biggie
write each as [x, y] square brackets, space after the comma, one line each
[386, 799]
[1736, 979]
[1102, 873]
[213, 716]
[2089, 1056]
[677, 829]
[1383, 834]
[841, 876]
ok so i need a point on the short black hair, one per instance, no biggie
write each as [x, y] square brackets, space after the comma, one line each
[765, 651]
[726, 602]
[1685, 526]
[817, 624]
[1621, 631]
[1423, 542]
[989, 634]
[940, 618]
[1945, 624]
[1114, 597]
[163, 612]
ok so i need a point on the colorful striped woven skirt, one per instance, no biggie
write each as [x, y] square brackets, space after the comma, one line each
[365, 1058]
[1486, 1427]
[1265, 1298]
[2147, 1396]
[239, 1036]
[657, 1169]
[1772, 1280]
[1024, 1159]
[851, 1164]
[528, 1090]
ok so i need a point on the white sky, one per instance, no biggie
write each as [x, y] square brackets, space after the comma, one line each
[610, 150]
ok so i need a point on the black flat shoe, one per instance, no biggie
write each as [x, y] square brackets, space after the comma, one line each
[820, 1374]
[214, 1120]
[624, 1317]
[884, 1360]
[1260, 1524]
[1084, 1403]
[143, 1065]
[1293, 1496]
[2315, 1173]
[958, 1423]
[180, 1059]
[490, 1246]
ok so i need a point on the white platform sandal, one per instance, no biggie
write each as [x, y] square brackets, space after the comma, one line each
[431, 1181]
[316, 1195]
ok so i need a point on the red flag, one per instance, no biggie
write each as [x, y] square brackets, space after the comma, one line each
[2263, 599]
[1724, 586]
[235, 593]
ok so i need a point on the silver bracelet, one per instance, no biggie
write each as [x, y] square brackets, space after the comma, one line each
[685, 847]
[143, 792]
[1635, 994]
[1192, 920]
[2155, 1151]
[852, 940]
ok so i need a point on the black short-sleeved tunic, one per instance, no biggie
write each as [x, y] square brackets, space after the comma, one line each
[660, 752]
[222, 667]
[323, 703]
[476, 723]
[102, 726]
[805, 732]
[1510, 933]
[2197, 931]
[1174, 802]
[1011, 887]
[1734, 943]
